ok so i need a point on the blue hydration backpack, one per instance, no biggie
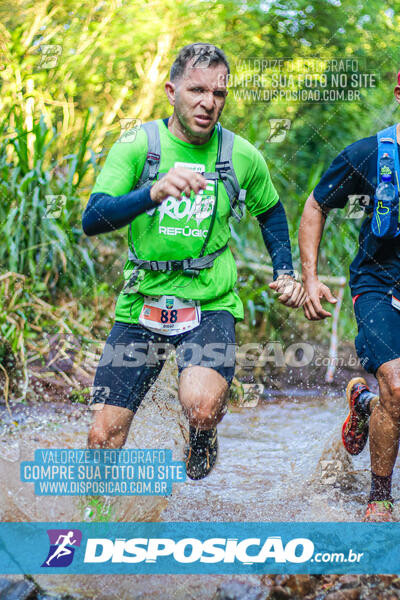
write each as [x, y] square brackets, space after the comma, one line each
[385, 217]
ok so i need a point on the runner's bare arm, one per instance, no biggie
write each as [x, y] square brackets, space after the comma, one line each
[310, 234]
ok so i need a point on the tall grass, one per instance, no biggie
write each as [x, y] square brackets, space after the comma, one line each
[49, 248]
[47, 273]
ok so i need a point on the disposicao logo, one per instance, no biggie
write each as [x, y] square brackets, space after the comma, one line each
[62, 547]
[190, 550]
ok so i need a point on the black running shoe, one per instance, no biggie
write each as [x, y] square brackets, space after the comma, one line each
[201, 454]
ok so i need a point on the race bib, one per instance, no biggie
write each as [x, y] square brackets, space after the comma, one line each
[395, 302]
[196, 167]
[169, 315]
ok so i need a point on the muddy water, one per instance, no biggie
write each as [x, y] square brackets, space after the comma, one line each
[279, 461]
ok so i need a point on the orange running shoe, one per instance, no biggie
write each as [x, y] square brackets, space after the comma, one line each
[379, 511]
[355, 428]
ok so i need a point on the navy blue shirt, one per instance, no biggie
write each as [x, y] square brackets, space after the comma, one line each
[354, 173]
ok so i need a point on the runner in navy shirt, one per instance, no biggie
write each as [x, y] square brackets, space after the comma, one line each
[352, 173]
[375, 287]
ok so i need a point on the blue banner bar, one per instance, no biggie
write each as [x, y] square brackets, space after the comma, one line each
[184, 548]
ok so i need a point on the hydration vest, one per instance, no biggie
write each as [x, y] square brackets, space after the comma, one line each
[224, 171]
[387, 166]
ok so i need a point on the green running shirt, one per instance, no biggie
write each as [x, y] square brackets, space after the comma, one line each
[177, 228]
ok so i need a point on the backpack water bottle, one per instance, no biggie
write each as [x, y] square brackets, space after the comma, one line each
[385, 219]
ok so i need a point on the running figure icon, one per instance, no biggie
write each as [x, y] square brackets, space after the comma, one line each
[62, 549]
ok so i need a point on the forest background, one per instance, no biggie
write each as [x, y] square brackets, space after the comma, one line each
[73, 74]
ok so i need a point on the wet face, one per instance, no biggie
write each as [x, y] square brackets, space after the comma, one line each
[198, 99]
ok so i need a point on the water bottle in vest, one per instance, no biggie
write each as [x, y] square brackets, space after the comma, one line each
[385, 218]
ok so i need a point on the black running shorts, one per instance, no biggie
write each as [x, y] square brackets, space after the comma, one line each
[378, 339]
[133, 357]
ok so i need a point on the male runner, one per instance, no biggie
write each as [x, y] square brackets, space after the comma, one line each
[375, 285]
[183, 214]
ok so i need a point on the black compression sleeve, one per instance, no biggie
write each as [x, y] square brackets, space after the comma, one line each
[106, 213]
[275, 233]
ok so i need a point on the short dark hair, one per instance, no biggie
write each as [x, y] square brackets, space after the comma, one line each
[206, 55]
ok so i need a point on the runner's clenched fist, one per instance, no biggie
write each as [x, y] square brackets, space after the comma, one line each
[291, 291]
[176, 182]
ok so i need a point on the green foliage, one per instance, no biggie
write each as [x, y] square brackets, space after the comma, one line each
[36, 241]
[115, 57]
[96, 508]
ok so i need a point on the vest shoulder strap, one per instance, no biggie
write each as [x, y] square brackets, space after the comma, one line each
[225, 168]
[387, 145]
[152, 162]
